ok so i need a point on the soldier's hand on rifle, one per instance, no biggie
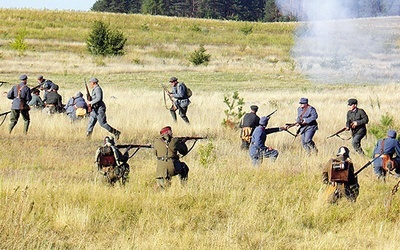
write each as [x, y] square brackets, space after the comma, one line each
[283, 128]
[353, 124]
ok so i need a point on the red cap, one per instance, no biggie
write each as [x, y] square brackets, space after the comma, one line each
[165, 130]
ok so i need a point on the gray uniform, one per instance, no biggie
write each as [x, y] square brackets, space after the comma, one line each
[21, 96]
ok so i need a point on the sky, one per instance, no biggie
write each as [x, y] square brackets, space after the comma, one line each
[78, 5]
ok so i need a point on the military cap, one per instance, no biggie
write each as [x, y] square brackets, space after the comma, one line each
[40, 77]
[264, 120]
[303, 100]
[254, 108]
[392, 133]
[94, 79]
[23, 77]
[55, 87]
[351, 101]
[165, 130]
[173, 79]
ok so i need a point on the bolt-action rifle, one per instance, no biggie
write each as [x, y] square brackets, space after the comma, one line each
[5, 115]
[130, 146]
[2, 82]
[166, 92]
[37, 87]
[187, 138]
[289, 125]
[367, 164]
[338, 134]
[269, 116]
[88, 96]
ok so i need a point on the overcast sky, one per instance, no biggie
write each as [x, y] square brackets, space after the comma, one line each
[80, 5]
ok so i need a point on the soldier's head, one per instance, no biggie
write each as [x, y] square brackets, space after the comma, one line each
[343, 152]
[109, 141]
[166, 131]
[173, 80]
[23, 78]
[254, 108]
[392, 133]
[264, 121]
[40, 79]
[303, 102]
[352, 103]
[93, 81]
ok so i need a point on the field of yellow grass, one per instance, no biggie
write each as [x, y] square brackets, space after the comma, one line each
[50, 194]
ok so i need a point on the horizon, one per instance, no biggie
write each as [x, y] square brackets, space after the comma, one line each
[48, 5]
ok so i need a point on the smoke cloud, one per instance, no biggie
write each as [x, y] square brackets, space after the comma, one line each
[333, 46]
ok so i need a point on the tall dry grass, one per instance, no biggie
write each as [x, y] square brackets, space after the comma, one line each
[51, 197]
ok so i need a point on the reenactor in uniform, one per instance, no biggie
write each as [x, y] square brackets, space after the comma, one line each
[338, 175]
[307, 120]
[53, 101]
[98, 112]
[389, 159]
[167, 150]
[258, 150]
[356, 122]
[249, 122]
[20, 95]
[179, 93]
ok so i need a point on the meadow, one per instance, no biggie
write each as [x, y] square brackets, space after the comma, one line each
[51, 196]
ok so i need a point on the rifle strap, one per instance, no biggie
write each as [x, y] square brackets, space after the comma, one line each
[302, 113]
[130, 156]
[194, 143]
[3, 119]
[382, 146]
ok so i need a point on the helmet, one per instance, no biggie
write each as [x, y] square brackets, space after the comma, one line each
[343, 151]
[109, 140]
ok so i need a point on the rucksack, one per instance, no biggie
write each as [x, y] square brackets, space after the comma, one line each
[188, 91]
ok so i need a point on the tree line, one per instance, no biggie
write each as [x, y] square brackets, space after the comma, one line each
[239, 10]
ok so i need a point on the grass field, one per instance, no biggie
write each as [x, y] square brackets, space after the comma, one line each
[51, 198]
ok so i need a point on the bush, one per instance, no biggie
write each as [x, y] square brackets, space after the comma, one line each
[232, 116]
[19, 43]
[199, 56]
[104, 41]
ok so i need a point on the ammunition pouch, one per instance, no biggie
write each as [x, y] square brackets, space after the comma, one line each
[246, 134]
[387, 163]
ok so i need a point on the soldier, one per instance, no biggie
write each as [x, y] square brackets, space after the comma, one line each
[21, 96]
[53, 101]
[98, 110]
[179, 92]
[46, 85]
[108, 156]
[356, 122]
[166, 149]
[258, 150]
[76, 107]
[387, 161]
[249, 122]
[339, 177]
[307, 120]
[36, 102]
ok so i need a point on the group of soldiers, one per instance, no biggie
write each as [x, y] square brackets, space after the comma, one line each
[110, 161]
[339, 171]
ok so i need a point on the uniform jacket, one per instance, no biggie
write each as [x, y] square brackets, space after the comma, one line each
[390, 147]
[167, 154]
[250, 120]
[259, 137]
[36, 101]
[21, 101]
[97, 98]
[54, 98]
[307, 118]
[179, 93]
[359, 116]
[74, 103]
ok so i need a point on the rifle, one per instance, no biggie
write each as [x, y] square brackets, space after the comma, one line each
[36, 87]
[5, 116]
[367, 164]
[134, 146]
[289, 125]
[186, 138]
[1, 83]
[167, 92]
[129, 146]
[88, 96]
[337, 134]
[272, 113]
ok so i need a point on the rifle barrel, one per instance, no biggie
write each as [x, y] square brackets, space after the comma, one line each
[367, 164]
[5, 113]
[134, 146]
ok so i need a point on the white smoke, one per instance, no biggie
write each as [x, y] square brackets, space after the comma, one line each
[332, 46]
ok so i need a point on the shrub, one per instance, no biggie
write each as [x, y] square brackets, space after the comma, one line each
[207, 154]
[19, 43]
[199, 56]
[379, 130]
[104, 41]
[247, 29]
[235, 110]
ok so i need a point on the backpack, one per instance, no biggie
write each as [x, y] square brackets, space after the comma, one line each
[188, 91]
[339, 171]
[106, 157]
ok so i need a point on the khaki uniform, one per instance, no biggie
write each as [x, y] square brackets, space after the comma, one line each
[166, 149]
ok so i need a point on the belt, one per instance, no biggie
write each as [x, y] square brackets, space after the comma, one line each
[166, 158]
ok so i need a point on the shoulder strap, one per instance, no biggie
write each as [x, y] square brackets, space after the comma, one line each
[382, 146]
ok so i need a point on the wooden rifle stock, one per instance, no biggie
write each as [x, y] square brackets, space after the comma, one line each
[337, 133]
[88, 96]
